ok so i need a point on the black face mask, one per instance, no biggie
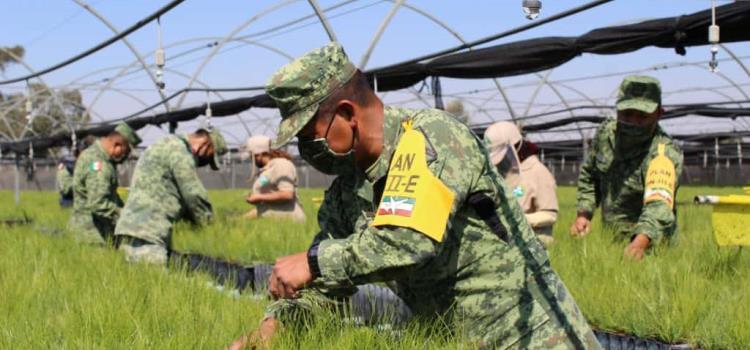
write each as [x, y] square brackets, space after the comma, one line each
[318, 154]
[203, 161]
[630, 137]
[259, 164]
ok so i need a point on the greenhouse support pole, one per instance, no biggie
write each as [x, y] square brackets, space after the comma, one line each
[716, 165]
[234, 173]
[307, 177]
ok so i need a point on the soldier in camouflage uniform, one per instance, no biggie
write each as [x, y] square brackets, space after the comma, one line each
[96, 204]
[166, 188]
[446, 231]
[632, 171]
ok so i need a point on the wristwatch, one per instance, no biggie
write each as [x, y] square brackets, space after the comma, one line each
[312, 260]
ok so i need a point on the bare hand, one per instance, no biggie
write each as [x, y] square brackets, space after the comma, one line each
[253, 198]
[637, 247]
[289, 275]
[581, 226]
[259, 338]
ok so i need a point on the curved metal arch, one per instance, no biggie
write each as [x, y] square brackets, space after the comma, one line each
[702, 68]
[479, 108]
[31, 70]
[323, 20]
[579, 93]
[177, 43]
[729, 98]
[230, 36]
[376, 38]
[461, 39]
[126, 68]
[736, 59]
[127, 43]
[219, 95]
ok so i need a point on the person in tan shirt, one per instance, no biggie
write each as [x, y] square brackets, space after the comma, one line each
[531, 182]
[274, 192]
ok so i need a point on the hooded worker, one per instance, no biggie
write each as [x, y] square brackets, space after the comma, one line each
[274, 192]
[529, 180]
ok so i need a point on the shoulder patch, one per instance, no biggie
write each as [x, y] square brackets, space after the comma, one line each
[413, 197]
[263, 180]
[661, 179]
[96, 166]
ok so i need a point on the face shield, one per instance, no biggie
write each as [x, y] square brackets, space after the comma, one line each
[506, 160]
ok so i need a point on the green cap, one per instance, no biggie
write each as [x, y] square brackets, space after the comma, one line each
[299, 87]
[128, 133]
[639, 92]
[220, 147]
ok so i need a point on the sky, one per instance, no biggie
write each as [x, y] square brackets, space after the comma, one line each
[52, 31]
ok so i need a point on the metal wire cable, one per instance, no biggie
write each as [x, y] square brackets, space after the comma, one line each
[99, 47]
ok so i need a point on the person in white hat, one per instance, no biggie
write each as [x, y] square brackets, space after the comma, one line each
[524, 173]
[274, 192]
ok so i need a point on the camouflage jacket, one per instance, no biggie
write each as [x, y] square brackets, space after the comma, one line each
[96, 204]
[498, 282]
[165, 188]
[616, 183]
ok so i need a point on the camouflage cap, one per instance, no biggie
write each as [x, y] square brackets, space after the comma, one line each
[299, 87]
[220, 147]
[128, 133]
[639, 92]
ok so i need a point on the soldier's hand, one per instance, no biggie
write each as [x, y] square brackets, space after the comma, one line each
[259, 338]
[289, 275]
[637, 247]
[581, 226]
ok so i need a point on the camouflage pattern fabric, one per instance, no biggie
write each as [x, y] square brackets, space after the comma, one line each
[316, 75]
[165, 188]
[96, 204]
[504, 294]
[615, 181]
[639, 92]
[128, 133]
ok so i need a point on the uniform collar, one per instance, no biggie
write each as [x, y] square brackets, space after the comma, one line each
[184, 140]
[392, 118]
[99, 148]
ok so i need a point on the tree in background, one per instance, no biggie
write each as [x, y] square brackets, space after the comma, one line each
[52, 110]
[8, 55]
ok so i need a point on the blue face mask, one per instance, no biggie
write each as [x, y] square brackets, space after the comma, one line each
[320, 155]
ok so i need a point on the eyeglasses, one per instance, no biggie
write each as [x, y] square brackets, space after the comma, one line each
[306, 138]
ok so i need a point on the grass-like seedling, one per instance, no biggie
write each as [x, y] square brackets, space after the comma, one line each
[55, 293]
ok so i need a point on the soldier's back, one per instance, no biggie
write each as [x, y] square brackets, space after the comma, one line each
[154, 200]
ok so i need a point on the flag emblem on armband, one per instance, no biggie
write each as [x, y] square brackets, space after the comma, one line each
[399, 206]
[96, 166]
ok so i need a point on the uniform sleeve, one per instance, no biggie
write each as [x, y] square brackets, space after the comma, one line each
[103, 198]
[657, 217]
[384, 253]
[332, 215]
[194, 195]
[285, 176]
[542, 218]
[587, 180]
